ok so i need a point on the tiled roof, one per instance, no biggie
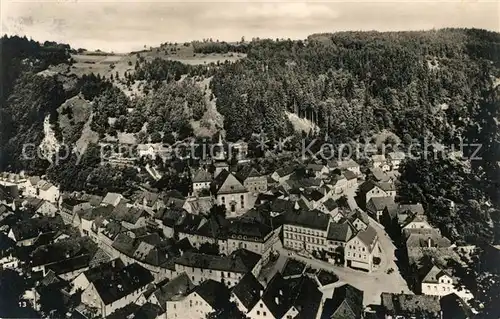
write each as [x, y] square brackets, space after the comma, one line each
[339, 232]
[380, 203]
[330, 204]
[368, 236]
[214, 293]
[346, 298]
[122, 283]
[240, 261]
[404, 304]
[248, 290]
[313, 219]
[175, 288]
[202, 176]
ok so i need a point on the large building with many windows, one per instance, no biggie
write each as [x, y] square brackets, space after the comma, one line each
[305, 230]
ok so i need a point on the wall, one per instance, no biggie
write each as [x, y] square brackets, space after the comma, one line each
[198, 275]
[298, 237]
[260, 311]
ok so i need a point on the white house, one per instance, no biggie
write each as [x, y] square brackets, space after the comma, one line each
[379, 161]
[395, 159]
[116, 290]
[437, 282]
[201, 180]
[361, 249]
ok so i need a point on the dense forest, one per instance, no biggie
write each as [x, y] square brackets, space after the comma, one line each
[434, 85]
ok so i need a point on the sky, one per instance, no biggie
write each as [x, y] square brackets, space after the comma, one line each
[123, 26]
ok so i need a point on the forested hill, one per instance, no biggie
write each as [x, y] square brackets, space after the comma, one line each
[352, 85]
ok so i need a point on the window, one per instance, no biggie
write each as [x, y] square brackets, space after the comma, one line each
[258, 313]
[223, 200]
[265, 313]
[261, 305]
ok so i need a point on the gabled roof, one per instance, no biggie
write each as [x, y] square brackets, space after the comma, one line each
[202, 176]
[247, 172]
[312, 195]
[387, 186]
[240, 261]
[227, 183]
[175, 288]
[396, 155]
[406, 304]
[434, 274]
[330, 204]
[367, 186]
[284, 171]
[111, 198]
[379, 203]
[248, 290]
[339, 232]
[378, 158]
[122, 283]
[313, 219]
[368, 237]
[379, 175]
[315, 167]
[349, 175]
[346, 302]
[214, 293]
[301, 293]
[414, 208]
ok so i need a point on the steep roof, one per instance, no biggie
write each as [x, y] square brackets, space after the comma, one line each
[339, 232]
[175, 288]
[240, 261]
[368, 236]
[202, 176]
[434, 274]
[313, 219]
[111, 198]
[120, 284]
[349, 175]
[346, 298]
[214, 293]
[379, 203]
[227, 183]
[248, 290]
[301, 292]
[410, 304]
[330, 204]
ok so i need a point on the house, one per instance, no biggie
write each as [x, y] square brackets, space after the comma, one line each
[39, 188]
[305, 230]
[352, 179]
[376, 206]
[225, 269]
[338, 236]
[201, 180]
[348, 164]
[112, 199]
[379, 161]
[361, 249]
[416, 221]
[83, 280]
[330, 207]
[70, 206]
[283, 174]
[297, 297]
[311, 197]
[317, 170]
[171, 291]
[40, 206]
[209, 297]
[253, 181]
[410, 306]
[378, 175]
[69, 268]
[346, 302]
[251, 235]
[149, 201]
[130, 217]
[246, 293]
[389, 188]
[370, 189]
[358, 219]
[231, 193]
[438, 282]
[27, 232]
[241, 150]
[117, 289]
[395, 159]
[339, 183]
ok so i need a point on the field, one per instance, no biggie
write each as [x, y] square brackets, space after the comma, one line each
[107, 64]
